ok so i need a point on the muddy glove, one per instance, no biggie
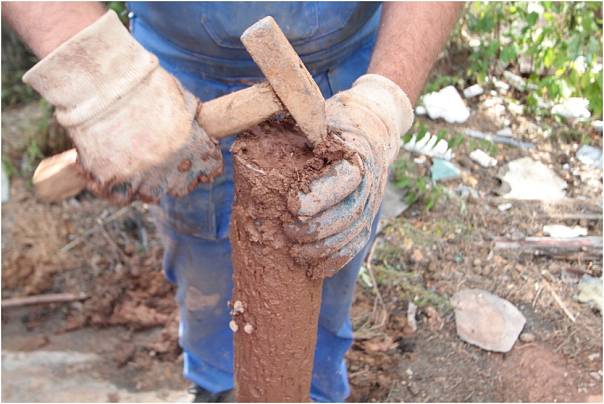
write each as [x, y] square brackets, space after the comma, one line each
[336, 216]
[132, 123]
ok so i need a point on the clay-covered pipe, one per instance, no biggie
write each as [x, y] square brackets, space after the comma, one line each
[275, 304]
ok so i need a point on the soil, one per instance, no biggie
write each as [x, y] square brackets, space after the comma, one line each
[130, 321]
[275, 326]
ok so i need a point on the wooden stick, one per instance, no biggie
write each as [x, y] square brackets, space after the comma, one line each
[498, 138]
[42, 299]
[588, 246]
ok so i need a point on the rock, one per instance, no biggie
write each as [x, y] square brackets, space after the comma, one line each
[597, 125]
[428, 146]
[393, 203]
[528, 179]
[515, 81]
[504, 206]
[562, 231]
[590, 291]
[590, 156]
[572, 108]
[486, 320]
[5, 186]
[420, 110]
[502, 86]
[466, 192]
[527, 337]
[446, 104]
[483, 158]
[443, 170]
[473, 91]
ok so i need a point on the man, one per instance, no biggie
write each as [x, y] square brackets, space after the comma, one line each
[133, 124]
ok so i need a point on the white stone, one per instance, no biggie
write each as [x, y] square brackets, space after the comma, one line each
[486, 320]
[532, 180]
[590, 156]
[483, 158]
[515, 81]
[597, 125]
[446, 104]
[473, 91]
[562, 231]
[504, 206]
[573, 108]
[420, 110]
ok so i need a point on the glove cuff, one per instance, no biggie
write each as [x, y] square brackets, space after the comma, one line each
[389, 102]
[89, 72]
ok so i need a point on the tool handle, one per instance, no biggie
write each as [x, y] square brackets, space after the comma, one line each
[58, 177]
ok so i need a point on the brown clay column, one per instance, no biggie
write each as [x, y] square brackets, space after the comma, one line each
[275, 304]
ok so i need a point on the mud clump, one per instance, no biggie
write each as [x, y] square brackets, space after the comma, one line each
[274, 356]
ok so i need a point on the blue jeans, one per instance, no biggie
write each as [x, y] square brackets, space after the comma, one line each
[197, 256]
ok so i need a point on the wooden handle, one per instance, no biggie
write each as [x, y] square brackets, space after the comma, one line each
[58, 177]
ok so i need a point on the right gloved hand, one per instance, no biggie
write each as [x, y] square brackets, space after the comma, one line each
[133, 124]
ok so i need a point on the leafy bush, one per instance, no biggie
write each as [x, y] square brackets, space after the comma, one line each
[557, 46]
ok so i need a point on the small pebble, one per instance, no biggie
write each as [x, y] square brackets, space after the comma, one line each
[238, 307]
[248, 328]
[595, 375]
[504, 206]
[593, 356]
[233, 326]
[413, 389]
[527, 337]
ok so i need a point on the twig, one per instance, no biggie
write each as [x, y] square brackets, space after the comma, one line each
[559, 301]
[376, 289]
[43, 299]
[73, 243]
[537, 296]
[588, 246]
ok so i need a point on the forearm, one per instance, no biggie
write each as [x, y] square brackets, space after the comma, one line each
[410, 38]
[43, 26]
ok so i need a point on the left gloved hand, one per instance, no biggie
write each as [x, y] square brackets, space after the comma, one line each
[336, 216]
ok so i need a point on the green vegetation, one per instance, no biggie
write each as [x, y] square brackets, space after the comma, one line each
[556, 46]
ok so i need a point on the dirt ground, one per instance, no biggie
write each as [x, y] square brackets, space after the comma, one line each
[120, 341]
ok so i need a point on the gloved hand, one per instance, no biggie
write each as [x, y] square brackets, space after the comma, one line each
[336, 216]
[132, 123]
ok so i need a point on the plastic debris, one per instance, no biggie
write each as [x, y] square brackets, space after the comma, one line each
[562, 231]
[486, 320]
[590, 291]
[483, 158]
[496, 138]
[507, 132]
[504, 206]
[5, 186]
[590, 156]
[515, 81]
[532, 180]
[573, 108]
[443, 170]
[429, 147]
[446, 104]
[473, 91]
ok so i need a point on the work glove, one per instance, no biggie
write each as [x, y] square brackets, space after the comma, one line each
[132, 123]
[336, 216]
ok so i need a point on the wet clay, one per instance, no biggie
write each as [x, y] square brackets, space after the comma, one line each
[275, 304]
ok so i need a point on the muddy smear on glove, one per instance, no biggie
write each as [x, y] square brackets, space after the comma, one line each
[275, 304]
